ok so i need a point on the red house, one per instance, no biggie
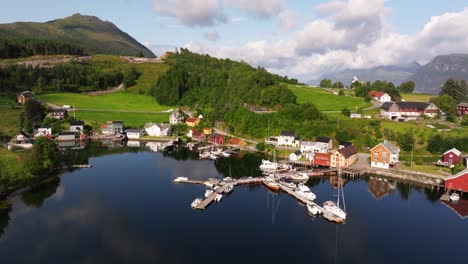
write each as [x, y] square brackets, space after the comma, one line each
[198, 135]
[322, 159]
[462, 109]
[452, 156]
[458, 182]
[216, 139]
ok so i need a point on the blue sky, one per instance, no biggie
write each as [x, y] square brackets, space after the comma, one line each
[282, 35]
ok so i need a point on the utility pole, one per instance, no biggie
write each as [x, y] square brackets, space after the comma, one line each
[412, 149]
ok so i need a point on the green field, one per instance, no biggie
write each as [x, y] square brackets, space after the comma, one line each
[116, 101]
[326, 101]
[129, 119]
[9, 121]
[416, 97]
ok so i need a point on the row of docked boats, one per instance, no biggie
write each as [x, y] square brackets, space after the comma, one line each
[215, 154]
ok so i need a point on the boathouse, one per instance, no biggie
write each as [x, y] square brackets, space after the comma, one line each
[322, 159]
[458, 182]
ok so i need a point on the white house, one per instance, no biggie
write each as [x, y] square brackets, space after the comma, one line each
[41, 131]
[76, 126]
[407, 110]
[176, 118]
[328, 142]
[289, 139]
[295, 156]
[310, 146]
[134, 133]
[380, 96]
[158, 130]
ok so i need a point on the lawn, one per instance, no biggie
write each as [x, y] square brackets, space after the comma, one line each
[129, 119]
[432, 169]
[417, 97]
[9, 121]
[115, 101]
[326, 101]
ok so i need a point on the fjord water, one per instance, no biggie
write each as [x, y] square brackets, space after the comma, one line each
[127, 210]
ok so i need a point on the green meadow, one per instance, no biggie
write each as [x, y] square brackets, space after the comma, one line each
[136, 120]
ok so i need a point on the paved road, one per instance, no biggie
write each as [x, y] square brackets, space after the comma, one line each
[113, 90]
[230, 135]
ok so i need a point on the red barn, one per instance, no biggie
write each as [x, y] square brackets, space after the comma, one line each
[322, 159]
[216, 139]
[458, 182]
[452, 156]
[462, 108]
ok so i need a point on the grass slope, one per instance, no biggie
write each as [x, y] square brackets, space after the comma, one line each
[9, 121]
[326, 101]
[417, 97]
[116, 101]
[129, 119]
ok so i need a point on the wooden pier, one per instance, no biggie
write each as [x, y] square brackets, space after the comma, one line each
[210, 199]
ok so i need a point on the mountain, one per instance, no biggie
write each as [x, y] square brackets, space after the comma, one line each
[394, 73]
[433, 75]
[89, 32]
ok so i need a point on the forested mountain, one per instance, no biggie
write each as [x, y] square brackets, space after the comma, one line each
[221, 84]
[90, 33]
[19, 48]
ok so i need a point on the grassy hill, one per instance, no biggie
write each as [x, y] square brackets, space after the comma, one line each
[326, 101]
[92, 34]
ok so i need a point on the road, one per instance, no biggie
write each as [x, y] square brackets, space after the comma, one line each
[230, 135]
[113, 90]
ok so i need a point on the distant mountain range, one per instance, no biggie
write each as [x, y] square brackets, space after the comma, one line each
[89, 32]
[428, 78]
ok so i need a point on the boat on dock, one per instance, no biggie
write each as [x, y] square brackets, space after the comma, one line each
[229, 189]
[218, 198]
[208, 193]
[196, 202]
[271, 184]
[300, 177]
[313, 209]
[307, 194]
[303, 188]
[334, 209]
[454, 197]
[180, 179]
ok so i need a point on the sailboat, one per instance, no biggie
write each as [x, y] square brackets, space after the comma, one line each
[270, 180]
[337, 214]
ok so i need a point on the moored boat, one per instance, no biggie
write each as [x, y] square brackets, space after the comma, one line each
[313, 209]
[302, 187]
[307, 194]
[180, 179]
[271, 184]
[208, 193]
[196, 202]
[229, 189]
[333, 208]
[218, 198]
[302, 177]
[454, 197]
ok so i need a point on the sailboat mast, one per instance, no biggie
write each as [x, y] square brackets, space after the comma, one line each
[339, 185]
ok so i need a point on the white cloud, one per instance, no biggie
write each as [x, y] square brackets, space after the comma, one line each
[288, 19]
[192, 12]
[258, 8]
[211, 35]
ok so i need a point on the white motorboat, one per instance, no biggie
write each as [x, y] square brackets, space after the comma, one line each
[290, 185]
[180, 179]
[204, 155]
[218, 198]
[454, 197]
[213, 156]
[302, 187]
[208, 193]
[225, 154]
[307, 194]
[334, 209]
[302, 177]
[271, 184]
[268, 165]
[229, 189]
[313, 209]
[196, 202]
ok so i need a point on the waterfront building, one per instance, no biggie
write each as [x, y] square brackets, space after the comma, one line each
[216, 139]
[112, 128]
[322, 159]
[42, 131]
[343, 158]
[66, 136]
[158, 130]
[289, 139]
[76, 126]
[384, 155]
[458, 182]
[134, 133]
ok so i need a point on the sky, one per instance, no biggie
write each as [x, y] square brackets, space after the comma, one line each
[299, 38]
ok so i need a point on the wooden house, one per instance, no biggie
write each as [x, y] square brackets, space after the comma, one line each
[322, 159]
[450, 158]
[42, 131]
[197, 135]
[59, 113]
[112, 128]
[76, 126]
[134, 133]
[216, 139]
[458, 182]
[207, 130]
[325, 140]
[192, 121]
[384, 155]
[289, 139]
[66, 136]
[158, 130]
[380, 96]
[343, 158]
[176, 118]
[295, 156]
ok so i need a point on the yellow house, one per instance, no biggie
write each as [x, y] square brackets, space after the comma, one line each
[192, 122]
[207, 131]
[344, 157]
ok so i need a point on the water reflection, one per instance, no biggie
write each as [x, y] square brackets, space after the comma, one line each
[36, 196]
[460, 207]
[5, 209]
[379, 187]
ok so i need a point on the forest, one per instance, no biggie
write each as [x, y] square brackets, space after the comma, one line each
[20, 48]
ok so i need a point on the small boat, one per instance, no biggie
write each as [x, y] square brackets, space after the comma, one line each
[302, 187]
[196, 202]
[229, 189]
[218, 198]
[227, 179]
[290, 185]
[204, 155]
[213, 156]
[307, 194]
[268, 165]
[334, 209]
[313, 209]
[225, 154]
[208, 193]
[180, 179]
[454, 197]
[302, 177]
[271, 184]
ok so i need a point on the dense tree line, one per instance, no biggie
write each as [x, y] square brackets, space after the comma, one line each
[69, 77]
[200, 80]
[406, 87]
[439, 144]
[362, 90]
[19, 48]
[327, 83]
[458, 90]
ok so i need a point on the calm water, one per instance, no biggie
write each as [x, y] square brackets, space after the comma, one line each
[126, 210]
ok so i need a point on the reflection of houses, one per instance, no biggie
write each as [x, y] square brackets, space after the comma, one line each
[289, 139]
[42, 131]
[458, 182]
[380, 187]
[450, 158]
[133, 144]
[384, 155]
[155, 146]
[343, 158]
[112, 128]
[176, 118]
[407, 110]
[158, 130]
[336, 181]
[76, 126]
[23, 96]
[460, 207]
[112, 144]
[59, 113]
